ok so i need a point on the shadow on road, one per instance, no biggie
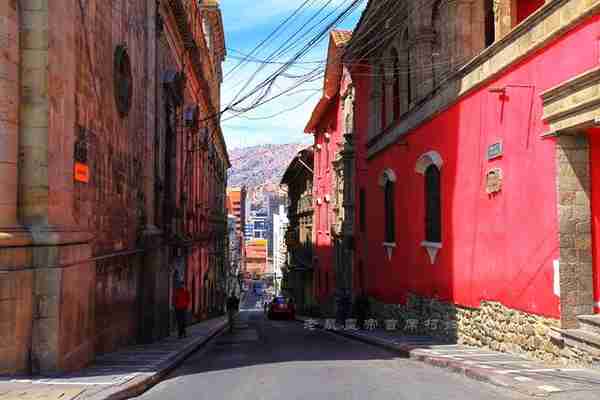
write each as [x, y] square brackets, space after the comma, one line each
[257, 340]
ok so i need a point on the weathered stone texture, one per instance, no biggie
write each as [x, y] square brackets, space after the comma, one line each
[492, 326]
[95, 254]
[9, 87]
[15, 317]
[575, 238]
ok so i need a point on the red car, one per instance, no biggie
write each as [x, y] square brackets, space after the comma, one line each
[281, 307]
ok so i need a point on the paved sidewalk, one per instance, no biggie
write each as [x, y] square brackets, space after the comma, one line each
[501, 369]
[117, 375]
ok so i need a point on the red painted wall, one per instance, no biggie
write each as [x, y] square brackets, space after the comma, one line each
[594, 137]
[323, 186]
[527, 7]
[497, 247]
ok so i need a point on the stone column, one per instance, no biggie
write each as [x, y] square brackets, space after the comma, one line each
[16, 280]
[505, 17]
[60, 295]
[9, 112]
[154, 288]
[374, 105]
[575, 238]
[467, 26]
[34, 186]
[421, 61]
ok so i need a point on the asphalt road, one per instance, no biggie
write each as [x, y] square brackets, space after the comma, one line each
[275, 360]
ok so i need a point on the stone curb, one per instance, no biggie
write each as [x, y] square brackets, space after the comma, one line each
[140, 384]
[416, 353]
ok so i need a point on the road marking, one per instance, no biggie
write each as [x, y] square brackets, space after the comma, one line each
[523, 379]
[461, 351]
[495, 362]
[479, 355]
[514, 371]
[550, 389]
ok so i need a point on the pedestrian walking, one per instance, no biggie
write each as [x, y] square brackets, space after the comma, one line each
[361, 305]
[232, 307]
[266, 306]
[182, 302]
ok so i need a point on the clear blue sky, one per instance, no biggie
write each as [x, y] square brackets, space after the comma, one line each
[246, 24]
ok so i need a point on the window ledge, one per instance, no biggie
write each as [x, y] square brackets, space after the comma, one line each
[389, 249]
[432, 249]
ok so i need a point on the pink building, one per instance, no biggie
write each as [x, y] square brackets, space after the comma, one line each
[475, 164]
[326, 124]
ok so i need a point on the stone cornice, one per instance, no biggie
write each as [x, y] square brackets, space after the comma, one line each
[573, 103]
[537, 31]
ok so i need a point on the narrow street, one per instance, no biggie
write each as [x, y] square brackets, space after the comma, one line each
[282, 360]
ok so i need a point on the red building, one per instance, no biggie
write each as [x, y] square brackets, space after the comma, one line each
[475, 157]
[326, 124]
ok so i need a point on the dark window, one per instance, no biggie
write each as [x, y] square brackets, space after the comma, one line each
[390, 213]
[408, 75]
[396, 80]
[361, 276]
[363, 209]
[433, 205]
[490, 23]
[383, 97]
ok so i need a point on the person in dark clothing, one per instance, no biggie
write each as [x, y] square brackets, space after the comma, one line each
[361, 305]
[182, 302]
[232, 307]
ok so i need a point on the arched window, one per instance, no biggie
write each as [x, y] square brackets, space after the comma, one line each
[408, 76]
[429, 165]
[396, 86]
[390, 226]
[433, 209]
[387, 182]
[383, 96]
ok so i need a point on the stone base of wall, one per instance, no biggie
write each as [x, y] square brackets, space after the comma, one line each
[491, 326]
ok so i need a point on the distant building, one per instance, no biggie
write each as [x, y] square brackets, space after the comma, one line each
[274, 201]
[257, 226]
[280, 224]
[236, 207]
[256, 257]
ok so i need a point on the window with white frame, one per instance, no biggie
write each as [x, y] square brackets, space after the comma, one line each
[429, 165]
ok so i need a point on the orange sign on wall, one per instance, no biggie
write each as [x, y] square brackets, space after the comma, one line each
[82, 172]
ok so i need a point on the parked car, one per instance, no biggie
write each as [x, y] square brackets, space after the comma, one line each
[282, 307]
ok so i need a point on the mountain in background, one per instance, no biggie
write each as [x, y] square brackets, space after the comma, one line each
[262, 165]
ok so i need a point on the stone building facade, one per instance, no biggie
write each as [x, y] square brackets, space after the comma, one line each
[298, 271]
[108, 102]
[476, 153]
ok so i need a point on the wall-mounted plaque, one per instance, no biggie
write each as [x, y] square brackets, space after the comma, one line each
[81, 173]
[493, 180]
[494, 150]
